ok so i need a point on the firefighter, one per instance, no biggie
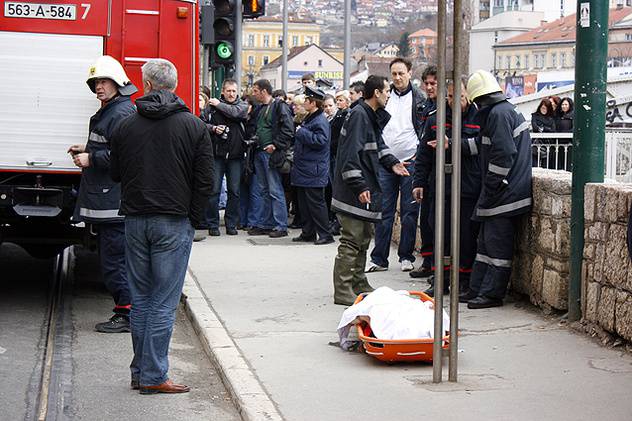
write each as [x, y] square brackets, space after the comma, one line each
[99, 196]
[505, 192]
[425, 178]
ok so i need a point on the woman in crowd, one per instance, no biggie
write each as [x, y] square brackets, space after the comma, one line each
[564, 120]
[329, 107]
[555, 103]
[543, 119]
[342, 103]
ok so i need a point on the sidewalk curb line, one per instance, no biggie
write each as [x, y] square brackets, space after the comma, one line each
[248, 394]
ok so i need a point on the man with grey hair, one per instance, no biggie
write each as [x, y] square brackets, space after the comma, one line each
[162, 155]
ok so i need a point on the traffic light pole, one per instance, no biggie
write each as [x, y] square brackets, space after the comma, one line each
[589, 131]
[347, 46]
[238, 42]
[284, 48]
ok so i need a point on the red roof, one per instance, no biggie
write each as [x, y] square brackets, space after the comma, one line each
[561, 30]
[426, 32]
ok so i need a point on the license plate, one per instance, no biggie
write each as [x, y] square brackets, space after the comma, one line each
[40, 11]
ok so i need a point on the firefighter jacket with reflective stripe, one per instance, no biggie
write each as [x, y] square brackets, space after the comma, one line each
[425, 169]
[505, 162]
[361, 151]
[99, 196]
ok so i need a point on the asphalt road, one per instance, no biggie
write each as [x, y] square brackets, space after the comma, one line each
[93, 373]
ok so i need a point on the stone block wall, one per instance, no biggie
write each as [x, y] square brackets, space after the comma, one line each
[607, 270]
[542, 248]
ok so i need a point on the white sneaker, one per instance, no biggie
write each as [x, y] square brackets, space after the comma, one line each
[407, 266]
[375, 268]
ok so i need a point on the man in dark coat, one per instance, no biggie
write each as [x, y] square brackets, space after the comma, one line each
[310, 170]
[100, 196]
[226, 118]
[357, 197]
[275, 130]
[505, 193]
[426, 173]
[163, 157]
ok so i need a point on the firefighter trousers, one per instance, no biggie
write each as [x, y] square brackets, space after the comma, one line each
[492, 266]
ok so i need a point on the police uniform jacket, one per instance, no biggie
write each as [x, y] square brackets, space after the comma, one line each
[311, 152]
[425, 169]
[505, 162]
[361, 151]
[99, 196]
[233, 115]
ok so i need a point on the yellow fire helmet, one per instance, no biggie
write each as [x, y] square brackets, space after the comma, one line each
[482, 83]
[107, 67]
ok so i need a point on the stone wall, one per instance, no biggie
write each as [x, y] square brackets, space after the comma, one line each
[542, 248]
[607, 274]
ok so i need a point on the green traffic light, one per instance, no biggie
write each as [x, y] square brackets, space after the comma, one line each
[224, 50]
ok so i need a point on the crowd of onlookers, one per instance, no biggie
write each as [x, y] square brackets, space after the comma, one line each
[345, 164]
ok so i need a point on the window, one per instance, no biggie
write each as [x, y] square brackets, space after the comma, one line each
[266, 60]
[320, 63]
[562, 59]
[553, 60]
[628, 37]
[266, 40]
[518, 62]
[500, 62]
[294, 40]
[251, 60]
[508, 62]
[308, 40]
[251, 40]
[526, 61]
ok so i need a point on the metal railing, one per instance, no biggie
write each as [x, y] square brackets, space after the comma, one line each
[555, 151]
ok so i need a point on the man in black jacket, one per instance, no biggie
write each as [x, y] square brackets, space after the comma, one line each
[163, 157]
[99, 195]
[357, 196]
[275, 130]
[505, 191]
[226, 118]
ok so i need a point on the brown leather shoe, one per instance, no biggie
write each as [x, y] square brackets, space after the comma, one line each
[166, 387]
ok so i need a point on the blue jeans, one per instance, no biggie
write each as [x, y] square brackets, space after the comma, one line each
[272, 213]
[249, 202]
[232, 169]
[158, 248]
[394, 186]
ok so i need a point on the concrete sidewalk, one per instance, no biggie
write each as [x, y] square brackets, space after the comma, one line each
[266, 308]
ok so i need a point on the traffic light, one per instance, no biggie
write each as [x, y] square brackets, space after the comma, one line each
[224, 31]
[254, 8]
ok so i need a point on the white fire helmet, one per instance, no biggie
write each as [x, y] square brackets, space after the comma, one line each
[482, 83]
[107, 67]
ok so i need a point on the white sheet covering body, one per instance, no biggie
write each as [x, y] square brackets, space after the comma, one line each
[393, 315]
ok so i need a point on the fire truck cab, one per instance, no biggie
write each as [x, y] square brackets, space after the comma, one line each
[46, 50]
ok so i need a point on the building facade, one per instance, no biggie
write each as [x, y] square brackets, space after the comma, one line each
[552, 9]
[262, 42]
[422, 43]
[496, 29]
[301, 60]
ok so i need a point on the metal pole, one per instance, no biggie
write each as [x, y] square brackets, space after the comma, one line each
[437, 368]
[455, 199]
[347, 46]
[285, 48]
[239, 41]
[589, 132]
[205, 62]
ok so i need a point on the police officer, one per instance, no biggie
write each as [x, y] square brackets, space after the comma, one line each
[425, 178]
[506, 189]
[99, 196]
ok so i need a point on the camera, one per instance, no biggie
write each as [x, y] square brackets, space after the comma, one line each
[224, 134]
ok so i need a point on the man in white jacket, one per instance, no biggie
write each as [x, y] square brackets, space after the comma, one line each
[401, 135]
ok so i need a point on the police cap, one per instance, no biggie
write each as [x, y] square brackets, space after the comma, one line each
[314, 93]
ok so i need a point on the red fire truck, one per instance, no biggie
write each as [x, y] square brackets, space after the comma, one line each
[46, 49]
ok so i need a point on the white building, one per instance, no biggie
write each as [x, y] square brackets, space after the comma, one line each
[552, 9]
[500, 27]
[307, 59]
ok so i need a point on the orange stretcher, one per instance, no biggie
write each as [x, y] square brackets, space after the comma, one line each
[391, 350]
